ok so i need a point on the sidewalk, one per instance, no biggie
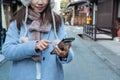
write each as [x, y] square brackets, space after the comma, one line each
[2, 59]
[106, 50]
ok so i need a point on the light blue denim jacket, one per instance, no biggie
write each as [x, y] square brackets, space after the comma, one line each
[23, 67]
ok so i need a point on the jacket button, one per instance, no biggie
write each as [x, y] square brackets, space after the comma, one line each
[43, 58]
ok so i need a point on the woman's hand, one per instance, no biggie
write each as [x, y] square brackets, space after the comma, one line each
[42, 45]
[62, 53]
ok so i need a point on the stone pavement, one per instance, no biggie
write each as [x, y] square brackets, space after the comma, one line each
[107, 50]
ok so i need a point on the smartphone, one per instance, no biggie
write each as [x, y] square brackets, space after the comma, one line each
[66, 41]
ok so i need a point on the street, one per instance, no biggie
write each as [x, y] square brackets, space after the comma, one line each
[85, 65]
[4, 70]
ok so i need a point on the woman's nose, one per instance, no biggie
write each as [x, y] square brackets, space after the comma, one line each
[40, 1]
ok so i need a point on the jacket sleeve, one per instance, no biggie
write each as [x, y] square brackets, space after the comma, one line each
[61, 35]
[67, 59]
[12, 49]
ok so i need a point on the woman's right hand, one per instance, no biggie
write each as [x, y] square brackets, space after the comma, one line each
[42, 45]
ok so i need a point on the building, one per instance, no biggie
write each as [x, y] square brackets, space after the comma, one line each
[79, 9]
[103, 15]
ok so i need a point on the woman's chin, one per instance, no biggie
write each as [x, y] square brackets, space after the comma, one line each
[39, 11]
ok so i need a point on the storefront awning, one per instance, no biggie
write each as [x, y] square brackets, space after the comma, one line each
[76, 3]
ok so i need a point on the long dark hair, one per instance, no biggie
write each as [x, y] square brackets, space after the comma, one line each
[19, 16]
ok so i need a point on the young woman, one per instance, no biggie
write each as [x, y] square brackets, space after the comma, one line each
[30, 40]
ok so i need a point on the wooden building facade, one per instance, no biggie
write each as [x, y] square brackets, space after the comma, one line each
[104, 18]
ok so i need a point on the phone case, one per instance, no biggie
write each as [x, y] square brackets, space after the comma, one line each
[65, 41]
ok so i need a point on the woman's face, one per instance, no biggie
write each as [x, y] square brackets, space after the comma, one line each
[39, 5]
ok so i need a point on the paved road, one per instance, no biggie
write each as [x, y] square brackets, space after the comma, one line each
[4, 71]
[85, 65]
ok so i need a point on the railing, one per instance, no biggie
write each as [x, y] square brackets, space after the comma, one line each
[93, 32]
[89, 31]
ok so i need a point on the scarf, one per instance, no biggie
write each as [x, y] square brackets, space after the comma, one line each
[37, 28]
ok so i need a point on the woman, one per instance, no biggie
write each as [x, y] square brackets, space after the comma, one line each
[31, 56]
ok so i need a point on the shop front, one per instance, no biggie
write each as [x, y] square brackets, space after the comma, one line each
[79, 11]
[104, 15]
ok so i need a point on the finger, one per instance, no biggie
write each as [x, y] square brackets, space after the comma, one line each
[47, 41]
[66, 48]
[42, 46]
[58, 49]
[61, 53]
[56, 52]
[69, 46]
[45, 44]
[39, 47]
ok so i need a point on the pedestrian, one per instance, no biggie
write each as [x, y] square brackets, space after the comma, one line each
[33, 33]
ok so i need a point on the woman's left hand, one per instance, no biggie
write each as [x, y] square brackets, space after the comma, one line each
[62, 53]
